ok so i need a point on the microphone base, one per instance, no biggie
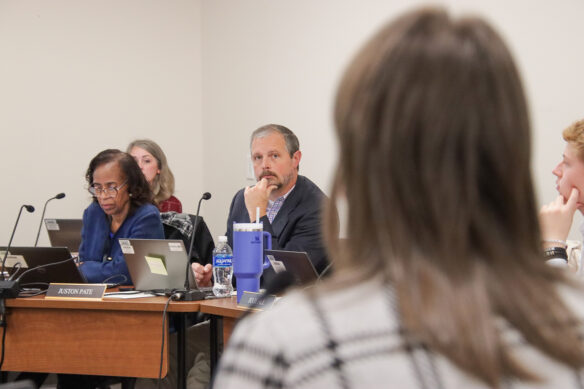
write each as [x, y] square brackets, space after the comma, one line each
[9, 289]
[192, 295]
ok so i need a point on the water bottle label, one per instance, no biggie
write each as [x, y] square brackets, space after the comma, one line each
[223, 260]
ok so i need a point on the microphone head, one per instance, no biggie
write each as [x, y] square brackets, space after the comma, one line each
[206, 196]
[60, 196]
[29, 208]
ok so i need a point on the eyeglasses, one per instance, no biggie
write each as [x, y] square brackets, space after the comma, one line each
[110, 191]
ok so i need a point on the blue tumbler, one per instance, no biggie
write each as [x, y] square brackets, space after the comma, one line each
[249, 261]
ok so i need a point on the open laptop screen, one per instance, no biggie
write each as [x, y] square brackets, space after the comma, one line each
[157, 264]
[65, 233]
[296, 262]
[33, 257]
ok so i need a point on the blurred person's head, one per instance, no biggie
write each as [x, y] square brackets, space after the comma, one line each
[276, 156]
[434, 164]
[152, 162]
[117, 184]
[570, 170]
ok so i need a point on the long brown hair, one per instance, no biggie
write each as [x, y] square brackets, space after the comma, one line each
[434, 139]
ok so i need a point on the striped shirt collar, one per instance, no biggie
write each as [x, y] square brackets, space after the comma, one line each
[274, 206]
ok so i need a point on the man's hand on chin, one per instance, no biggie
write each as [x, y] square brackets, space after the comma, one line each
[258, 196]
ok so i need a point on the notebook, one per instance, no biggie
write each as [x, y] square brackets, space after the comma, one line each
[158, 265]
[33, 257]
[65, 233]
[296, 262]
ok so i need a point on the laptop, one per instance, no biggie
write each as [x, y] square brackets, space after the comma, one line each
[34, 257]
[159, 265]
[296, 262]
[65, 233]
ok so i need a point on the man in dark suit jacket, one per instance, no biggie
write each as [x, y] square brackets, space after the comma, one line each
[289, 204]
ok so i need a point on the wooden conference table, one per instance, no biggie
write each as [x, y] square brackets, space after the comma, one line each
[85, 337]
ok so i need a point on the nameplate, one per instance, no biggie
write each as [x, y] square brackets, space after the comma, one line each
[257, 300]
[76, 291]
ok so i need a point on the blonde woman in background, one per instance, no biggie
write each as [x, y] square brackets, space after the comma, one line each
[152, 161]
[441, 282]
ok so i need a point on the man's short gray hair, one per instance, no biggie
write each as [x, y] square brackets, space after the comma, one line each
[292, 144]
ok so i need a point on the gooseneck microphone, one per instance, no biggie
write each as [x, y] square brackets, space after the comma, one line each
[188, 295]
[30, 209]
[58, 197]
[206, 196]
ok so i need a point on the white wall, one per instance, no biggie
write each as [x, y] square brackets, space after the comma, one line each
[79, 76]
[280, 61]
[198, 76]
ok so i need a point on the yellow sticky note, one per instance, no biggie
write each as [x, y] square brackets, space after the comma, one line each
[156, 265]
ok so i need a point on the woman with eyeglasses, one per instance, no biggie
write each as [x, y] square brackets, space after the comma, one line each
[122, 207]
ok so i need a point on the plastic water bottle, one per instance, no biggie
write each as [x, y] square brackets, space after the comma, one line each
[222, 268]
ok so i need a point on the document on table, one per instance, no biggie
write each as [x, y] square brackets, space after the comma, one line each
[130, 294]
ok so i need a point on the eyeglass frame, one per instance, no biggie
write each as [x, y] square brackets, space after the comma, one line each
[99, 192]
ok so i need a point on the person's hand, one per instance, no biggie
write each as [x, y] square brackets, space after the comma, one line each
[202, 273]
[555, 218]
[258, 196]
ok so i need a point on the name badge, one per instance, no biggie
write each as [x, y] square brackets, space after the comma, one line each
[92, 292]
[257, 300]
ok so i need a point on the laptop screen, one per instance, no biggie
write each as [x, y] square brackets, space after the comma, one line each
[157, 264]
[36, 257]
[296, 262]
[65, 233]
